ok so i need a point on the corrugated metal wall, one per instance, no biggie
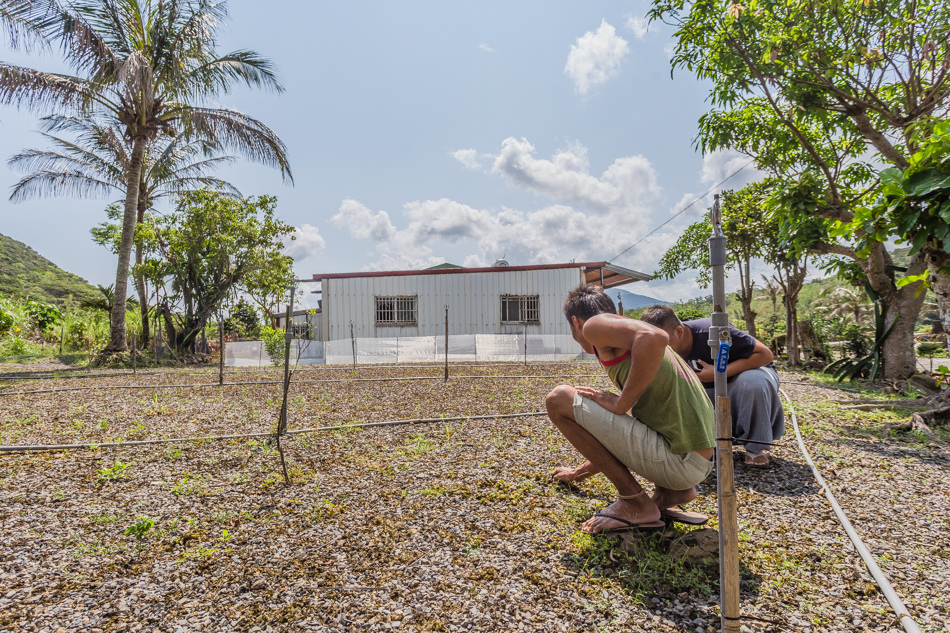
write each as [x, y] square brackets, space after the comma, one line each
[474, 301]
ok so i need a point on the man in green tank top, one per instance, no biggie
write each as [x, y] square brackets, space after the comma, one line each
[660, 426]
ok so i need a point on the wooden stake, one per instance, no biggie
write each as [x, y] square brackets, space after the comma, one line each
[134, 344]
[728, 520]
[446, 343]
[221, 348]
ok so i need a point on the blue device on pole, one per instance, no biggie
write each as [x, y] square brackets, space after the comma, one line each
[723, 359]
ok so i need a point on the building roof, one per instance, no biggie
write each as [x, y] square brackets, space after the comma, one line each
[443, 266]
[600, 273]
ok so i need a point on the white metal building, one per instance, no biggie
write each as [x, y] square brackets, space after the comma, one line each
[501, 299]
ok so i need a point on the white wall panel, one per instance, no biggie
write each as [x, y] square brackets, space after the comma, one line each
[474, 301]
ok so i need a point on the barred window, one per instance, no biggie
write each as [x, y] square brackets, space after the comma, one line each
[396, 311]
[515, 309]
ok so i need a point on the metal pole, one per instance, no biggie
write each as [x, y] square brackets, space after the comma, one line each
[158, 338]
[221, 348]
[353, 342]
[446, 343]
[62, 335]
[526, 344]
[719, 342]
[134, 345]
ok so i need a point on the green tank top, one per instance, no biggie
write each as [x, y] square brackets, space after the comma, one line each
[675, 405]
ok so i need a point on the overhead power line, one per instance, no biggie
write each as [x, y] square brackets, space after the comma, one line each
[683, 210]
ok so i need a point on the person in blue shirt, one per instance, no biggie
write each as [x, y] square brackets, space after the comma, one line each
[753, 385]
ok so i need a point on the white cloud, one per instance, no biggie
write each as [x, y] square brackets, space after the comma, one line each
[307, 243]
[721, 165]
[595, 58]
[363, 223]
[628, 182]
[485, 47]
[640, 26]
[468, 157]
[669, 48]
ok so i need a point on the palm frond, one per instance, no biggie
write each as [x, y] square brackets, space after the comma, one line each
[24, 23]
[246, 67]
[242, 134]
[59, 183]
[37, 91]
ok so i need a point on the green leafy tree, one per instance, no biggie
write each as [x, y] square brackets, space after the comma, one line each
[95, 163]
[267, 285]
[202, 251]
[845, 70]
[745, 231]
[149, 67]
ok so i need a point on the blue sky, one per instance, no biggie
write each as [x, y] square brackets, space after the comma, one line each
[422, 132]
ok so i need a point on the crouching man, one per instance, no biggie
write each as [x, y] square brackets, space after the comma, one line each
[660, 427]
[758, 418]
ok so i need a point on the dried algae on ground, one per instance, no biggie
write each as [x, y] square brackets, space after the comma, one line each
[447, 526]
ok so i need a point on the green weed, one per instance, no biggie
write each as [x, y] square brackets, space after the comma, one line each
[116, 472]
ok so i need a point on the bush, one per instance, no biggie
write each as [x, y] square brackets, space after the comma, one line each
[6, 321]
[243, 321]
[273, 339]
[688, 314]
[42, 315]
[857, 341]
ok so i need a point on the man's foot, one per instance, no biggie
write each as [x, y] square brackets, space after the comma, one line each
[756, 460]
[665, 498]
[639, 512]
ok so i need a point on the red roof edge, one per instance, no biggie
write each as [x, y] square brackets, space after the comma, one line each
[457, 271]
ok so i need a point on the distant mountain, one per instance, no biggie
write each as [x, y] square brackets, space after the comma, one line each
[26, 273]
[633, 301]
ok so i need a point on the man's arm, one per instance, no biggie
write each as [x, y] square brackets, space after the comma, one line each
[647, 346]
[760, 357]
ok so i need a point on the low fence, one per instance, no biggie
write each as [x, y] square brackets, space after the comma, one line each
[418, 349]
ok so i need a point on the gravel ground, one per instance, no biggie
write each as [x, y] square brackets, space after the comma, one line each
[446, 526]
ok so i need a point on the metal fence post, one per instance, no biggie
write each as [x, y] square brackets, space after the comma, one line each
[719, 342]
[134, 346]
[353, 342]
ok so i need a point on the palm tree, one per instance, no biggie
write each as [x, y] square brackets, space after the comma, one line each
[96, 163]
[147, 67]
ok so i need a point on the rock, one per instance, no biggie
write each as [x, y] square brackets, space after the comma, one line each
[258, 584]
[696, 545]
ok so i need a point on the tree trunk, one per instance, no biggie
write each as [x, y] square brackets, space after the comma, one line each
[746, 290]
[117, 334]
[795, 279]
[897, 303]
[940, 284]
[140, 288]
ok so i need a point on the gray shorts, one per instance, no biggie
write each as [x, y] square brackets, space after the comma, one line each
[640, 448]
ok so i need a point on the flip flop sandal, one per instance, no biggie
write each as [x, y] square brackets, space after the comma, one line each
[754, 457]
[674, 515]
[653, 526]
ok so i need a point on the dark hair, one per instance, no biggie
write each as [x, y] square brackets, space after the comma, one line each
[585, 302]
[663, 317]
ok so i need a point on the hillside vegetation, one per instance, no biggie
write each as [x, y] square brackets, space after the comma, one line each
[26, 273]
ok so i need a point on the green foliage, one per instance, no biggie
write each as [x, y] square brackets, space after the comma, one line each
[116, 472]
[26, 273]
[140, 528]
[273, 339]
[6, 321]
[243, 321]
[688, 314]
[932, 348]
[866, 365]
[42, 316]
[205, 249]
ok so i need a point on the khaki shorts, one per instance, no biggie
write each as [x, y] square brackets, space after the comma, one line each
[640, 448]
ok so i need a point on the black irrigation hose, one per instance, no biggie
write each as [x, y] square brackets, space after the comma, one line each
[279, 382]
[62, 375]
[70, 447]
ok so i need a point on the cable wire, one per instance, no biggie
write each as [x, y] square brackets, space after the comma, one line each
[683, 210]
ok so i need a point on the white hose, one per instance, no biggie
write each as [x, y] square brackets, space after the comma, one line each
[883, 584]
